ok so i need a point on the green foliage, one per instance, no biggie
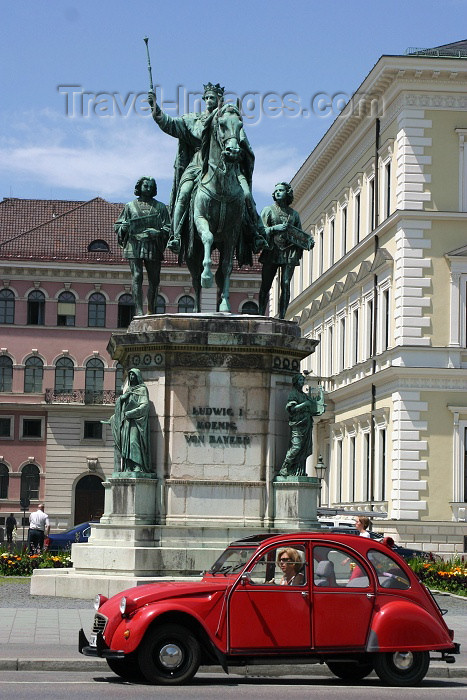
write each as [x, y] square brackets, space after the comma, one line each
[444, 575]
[23, 563]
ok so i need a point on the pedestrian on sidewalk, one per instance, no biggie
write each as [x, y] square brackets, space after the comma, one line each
[10, 525]
[39, 527]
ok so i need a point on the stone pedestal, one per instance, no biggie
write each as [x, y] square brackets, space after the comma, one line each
[218, 385]
[296, 502]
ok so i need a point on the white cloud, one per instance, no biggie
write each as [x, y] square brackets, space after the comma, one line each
[105, 156]
[274, 164]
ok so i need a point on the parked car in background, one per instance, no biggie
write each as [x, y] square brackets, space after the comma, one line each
[64, 540]
[304, 597]
[405, 552]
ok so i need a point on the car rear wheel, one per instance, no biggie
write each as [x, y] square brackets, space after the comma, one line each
[350, 670]
[127, 668]
[169, 655]
[402, 668]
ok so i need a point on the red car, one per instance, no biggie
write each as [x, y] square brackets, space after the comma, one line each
[349, 602]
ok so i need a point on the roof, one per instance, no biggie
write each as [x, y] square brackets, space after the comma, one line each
[457, 49]
[58, 230]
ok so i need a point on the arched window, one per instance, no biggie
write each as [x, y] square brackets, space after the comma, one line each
[30, 480]
[96, 310]
[6, 373]
[250, 307]
[94, 381]
[126, 310]
[4, 480]
[160, 305]
[118, 379]
[186, 304]
[36, 308]
[64, 375]
[33, 374]
[98, 246]
[7, 306]
[66, 309]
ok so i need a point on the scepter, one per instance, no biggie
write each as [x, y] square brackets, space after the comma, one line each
[151, 87]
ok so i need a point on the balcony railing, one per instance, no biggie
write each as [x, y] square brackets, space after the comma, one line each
[83, 396]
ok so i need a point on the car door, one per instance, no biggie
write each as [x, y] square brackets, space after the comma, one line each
[343, 598]
[265, 612]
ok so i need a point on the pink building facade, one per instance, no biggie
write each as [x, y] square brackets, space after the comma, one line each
[64, 288]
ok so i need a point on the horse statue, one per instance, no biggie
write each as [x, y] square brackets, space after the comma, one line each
[217, 210]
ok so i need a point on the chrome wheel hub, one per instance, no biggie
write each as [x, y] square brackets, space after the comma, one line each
[170, 656]
[403, 660]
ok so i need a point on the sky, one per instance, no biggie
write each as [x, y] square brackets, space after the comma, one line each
[74, 123]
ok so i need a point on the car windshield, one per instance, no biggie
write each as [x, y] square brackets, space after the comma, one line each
[232, 560]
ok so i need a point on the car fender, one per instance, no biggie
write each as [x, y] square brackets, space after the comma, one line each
[404, 625]
[131, 630]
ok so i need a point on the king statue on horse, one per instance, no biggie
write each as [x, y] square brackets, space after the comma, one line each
[211, 203]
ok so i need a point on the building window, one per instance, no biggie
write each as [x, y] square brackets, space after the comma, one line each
[126, 310]
[382, 463]
[31, 428]
[36, 308]
[186, 304]
[352, 453]
[66, 309]
[6, 427]
[369, 329]
[332, 233]
[7, 306]
[4, 480]
[357, 216]
[387, 173]
[338, 471]
[30, 479]
[6, 373]
[344, 230]
[33, 375]
[64, 375]
[92, 430]
[118, 379]
[250, 307]
[355, 336]
[366, 466]
[160, 305]
[96, 310]
[342, 344]
[371, 185]
[98, 246]
[385, 318]
[94, 380]
[330, 351]
[320, 252]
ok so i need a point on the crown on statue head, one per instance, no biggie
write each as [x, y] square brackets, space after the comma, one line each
[216, 89]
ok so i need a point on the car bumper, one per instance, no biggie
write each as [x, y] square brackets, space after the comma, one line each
[101, 649]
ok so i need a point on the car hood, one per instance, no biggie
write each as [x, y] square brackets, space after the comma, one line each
[156, 592]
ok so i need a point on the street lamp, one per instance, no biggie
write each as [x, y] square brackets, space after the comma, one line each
[320, 469]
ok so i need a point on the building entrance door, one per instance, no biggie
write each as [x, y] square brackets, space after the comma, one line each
[89, 499]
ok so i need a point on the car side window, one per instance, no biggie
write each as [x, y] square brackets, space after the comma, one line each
[388, 572]
[334, 568]
[283, 566]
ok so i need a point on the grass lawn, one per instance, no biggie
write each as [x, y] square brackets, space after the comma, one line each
[14, 579]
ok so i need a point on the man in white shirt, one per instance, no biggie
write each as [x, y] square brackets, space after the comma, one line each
[38, 528]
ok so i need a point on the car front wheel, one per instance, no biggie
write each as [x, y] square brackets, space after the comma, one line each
[169, 655]
[350, 670]
[402, 668]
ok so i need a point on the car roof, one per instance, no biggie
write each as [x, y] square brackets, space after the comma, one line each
[327, 534]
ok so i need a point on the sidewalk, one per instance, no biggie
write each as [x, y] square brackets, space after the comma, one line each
[46, 639]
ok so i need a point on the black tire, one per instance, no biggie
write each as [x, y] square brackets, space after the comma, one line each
[402, 668]
[128, 668]
[169, 655]
[350, 670]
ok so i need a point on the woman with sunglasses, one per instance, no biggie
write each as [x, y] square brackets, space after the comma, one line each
[290, 563]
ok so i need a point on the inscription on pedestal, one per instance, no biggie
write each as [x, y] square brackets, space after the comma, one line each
[216, 426]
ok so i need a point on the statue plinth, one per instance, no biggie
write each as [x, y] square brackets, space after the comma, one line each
[296, 501]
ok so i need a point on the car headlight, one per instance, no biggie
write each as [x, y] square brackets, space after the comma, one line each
[99, 600]
[123, 605]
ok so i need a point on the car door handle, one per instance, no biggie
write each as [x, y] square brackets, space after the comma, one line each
[305, 594]
[370, 595]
